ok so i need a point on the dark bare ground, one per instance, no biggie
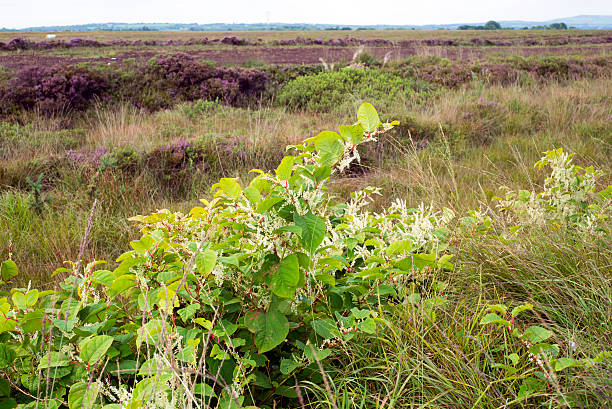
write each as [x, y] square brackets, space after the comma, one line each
[309, 55]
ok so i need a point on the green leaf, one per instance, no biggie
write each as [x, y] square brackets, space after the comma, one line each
[149, 332]
[517, 310]
[543, 348]
[142, 245]
[267, 203]
[313, 230]
[186, 355]
[203, 389]
[536, 334]
[103, 277]
[283, 171]
[205, 261]
[326, 279]
[368, 117]
[7, 324]
[19, 300]
[326, 328]
[82, 395]
[65, 325]
[123, 367]
[284, 281]
[513, 357]
[32, 321]
[94, 348]
[8, 270]
[322, 173]
[290, 228]
[510, 369]
[53, 360]
[7, 356]
[368, 326]
[121, 284]
[529, 387]
[360, 314]
[353, 133]
[399, 247]
[252, 194]
[329, 146]
[493, 318]
[230, 187]
[562, 363]
[188, 312]
[288, 365]
[270, 329]
[7, 403]
[502, 309]
[314, 354]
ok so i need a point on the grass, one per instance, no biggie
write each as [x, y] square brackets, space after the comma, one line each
[467, 158]
[454, 149]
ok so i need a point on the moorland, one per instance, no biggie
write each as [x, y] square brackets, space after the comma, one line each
[438, 268]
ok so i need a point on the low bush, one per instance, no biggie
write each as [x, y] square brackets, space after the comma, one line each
[332, 90]
[161, 83]
[243, 294]
[54, 89]
[505, 71]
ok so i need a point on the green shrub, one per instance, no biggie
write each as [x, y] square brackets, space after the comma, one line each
[251, 290]
[332, 90]
[368, 60]
[200, 107]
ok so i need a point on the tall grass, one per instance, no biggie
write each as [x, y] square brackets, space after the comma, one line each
[453, 150]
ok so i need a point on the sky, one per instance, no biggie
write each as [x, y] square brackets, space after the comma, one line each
[28, 13]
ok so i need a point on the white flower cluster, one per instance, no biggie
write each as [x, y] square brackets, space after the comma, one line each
[568, 193]
[420, 227]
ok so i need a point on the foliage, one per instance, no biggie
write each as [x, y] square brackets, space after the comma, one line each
[53, 89]
[535, 361]
[505, 71]
[200, 107]
[490, 25]
[569, 196]
[181, 77]
[328, 90]
[428, 346]
[161, 83]
[36, 187]
[242, 294]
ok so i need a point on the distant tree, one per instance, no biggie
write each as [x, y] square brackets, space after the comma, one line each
[492, 25]
[558, 26]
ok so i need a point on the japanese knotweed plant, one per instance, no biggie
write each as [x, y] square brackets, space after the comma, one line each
[569, 198]
[531, 361]
[231, 304]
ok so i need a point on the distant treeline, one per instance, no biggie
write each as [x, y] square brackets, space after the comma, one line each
[596, 22]
[494, 25]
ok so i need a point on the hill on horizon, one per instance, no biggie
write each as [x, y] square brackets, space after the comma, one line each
[585, 22]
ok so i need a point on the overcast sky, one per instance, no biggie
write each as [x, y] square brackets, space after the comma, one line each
[27, 13]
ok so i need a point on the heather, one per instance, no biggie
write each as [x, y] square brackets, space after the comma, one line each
[20, 43]
[159, 83]
[164, 81]
[503, 71]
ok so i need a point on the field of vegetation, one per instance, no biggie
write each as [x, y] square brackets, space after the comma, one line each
[409, 219]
